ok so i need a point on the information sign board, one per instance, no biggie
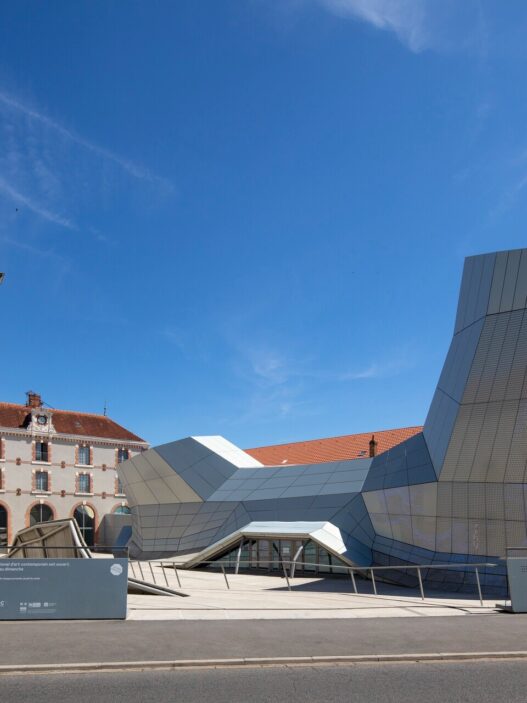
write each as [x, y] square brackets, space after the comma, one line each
[64, 589]
[517, 574]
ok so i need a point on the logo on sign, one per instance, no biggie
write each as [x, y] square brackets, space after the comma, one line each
[116, 569]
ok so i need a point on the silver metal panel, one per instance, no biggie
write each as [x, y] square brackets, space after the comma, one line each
[520, 292]
[466, 293]
[460, 536]
[438, 428]
[519, 364]
[479, 361]
[498, 279]
[507, 354]
[448, 472]
[483, 297]
[398, 500]
[509, 285]
[423, 499]
[513, 499]
[401, 527]
[485, 442]
[424, 531]
[516, 460]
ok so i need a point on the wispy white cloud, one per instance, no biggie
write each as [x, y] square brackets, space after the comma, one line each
[36, 251]
[53, 172]
[268, 405]
[269, 366]
[279, 384]
[28, 202]
[512, 172]
[406, 18]
[391, 367]
[420, 24]
[129, 166]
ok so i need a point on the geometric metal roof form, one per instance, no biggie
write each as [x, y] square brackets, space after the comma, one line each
[323, 533]
[454, 492]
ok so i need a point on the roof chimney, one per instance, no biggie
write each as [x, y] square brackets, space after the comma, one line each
[373, 446]
[33, 400]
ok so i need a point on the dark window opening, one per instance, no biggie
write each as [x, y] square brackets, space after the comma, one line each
[42, 481]
[41, 451]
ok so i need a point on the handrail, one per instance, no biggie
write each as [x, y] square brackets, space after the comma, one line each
[27, 545]
[291, 564]
[355, 567]
[10, 550]
[351, 570]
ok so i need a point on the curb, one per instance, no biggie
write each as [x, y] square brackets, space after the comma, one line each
[90, 667]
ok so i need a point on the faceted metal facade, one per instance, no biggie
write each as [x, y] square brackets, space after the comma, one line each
[456, 492]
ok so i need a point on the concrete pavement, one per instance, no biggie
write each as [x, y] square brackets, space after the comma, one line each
[211, 596]
[473, 682]
[72, 642]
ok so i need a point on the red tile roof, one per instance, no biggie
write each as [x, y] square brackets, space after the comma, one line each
[68, 422]
[317, 451]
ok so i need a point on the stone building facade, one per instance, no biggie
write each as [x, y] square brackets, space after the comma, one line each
[60, 464]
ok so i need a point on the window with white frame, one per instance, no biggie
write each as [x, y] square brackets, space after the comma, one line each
[41, 451]
[84, 483]
[42, 481]
[84, 456]
[122, 455]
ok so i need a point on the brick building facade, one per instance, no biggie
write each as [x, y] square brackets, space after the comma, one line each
[60, 464]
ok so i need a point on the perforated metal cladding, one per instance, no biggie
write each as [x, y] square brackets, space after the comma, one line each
[455, 492]
[407, 463]
[489, 439]
[475, 289]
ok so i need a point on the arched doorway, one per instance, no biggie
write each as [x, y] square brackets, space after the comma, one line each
[40, 513]
[4, 524]
[85, 517]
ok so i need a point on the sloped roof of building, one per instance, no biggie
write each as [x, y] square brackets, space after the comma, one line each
[68, 422]
[317, 451]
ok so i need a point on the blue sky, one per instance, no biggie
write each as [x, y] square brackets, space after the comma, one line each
[249, 217]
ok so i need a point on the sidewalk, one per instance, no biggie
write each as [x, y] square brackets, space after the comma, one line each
[32, 643]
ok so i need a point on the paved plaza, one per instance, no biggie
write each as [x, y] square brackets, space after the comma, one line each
[263, 597]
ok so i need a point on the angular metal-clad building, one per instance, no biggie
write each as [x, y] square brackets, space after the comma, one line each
[455, 492]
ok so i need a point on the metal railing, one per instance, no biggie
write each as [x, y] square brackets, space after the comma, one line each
[351, 571]
[10, 550]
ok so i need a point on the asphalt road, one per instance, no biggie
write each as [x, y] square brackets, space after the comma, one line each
[63, 642]
[481, 682]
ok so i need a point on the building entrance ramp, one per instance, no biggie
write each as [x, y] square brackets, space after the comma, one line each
[62, 539]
